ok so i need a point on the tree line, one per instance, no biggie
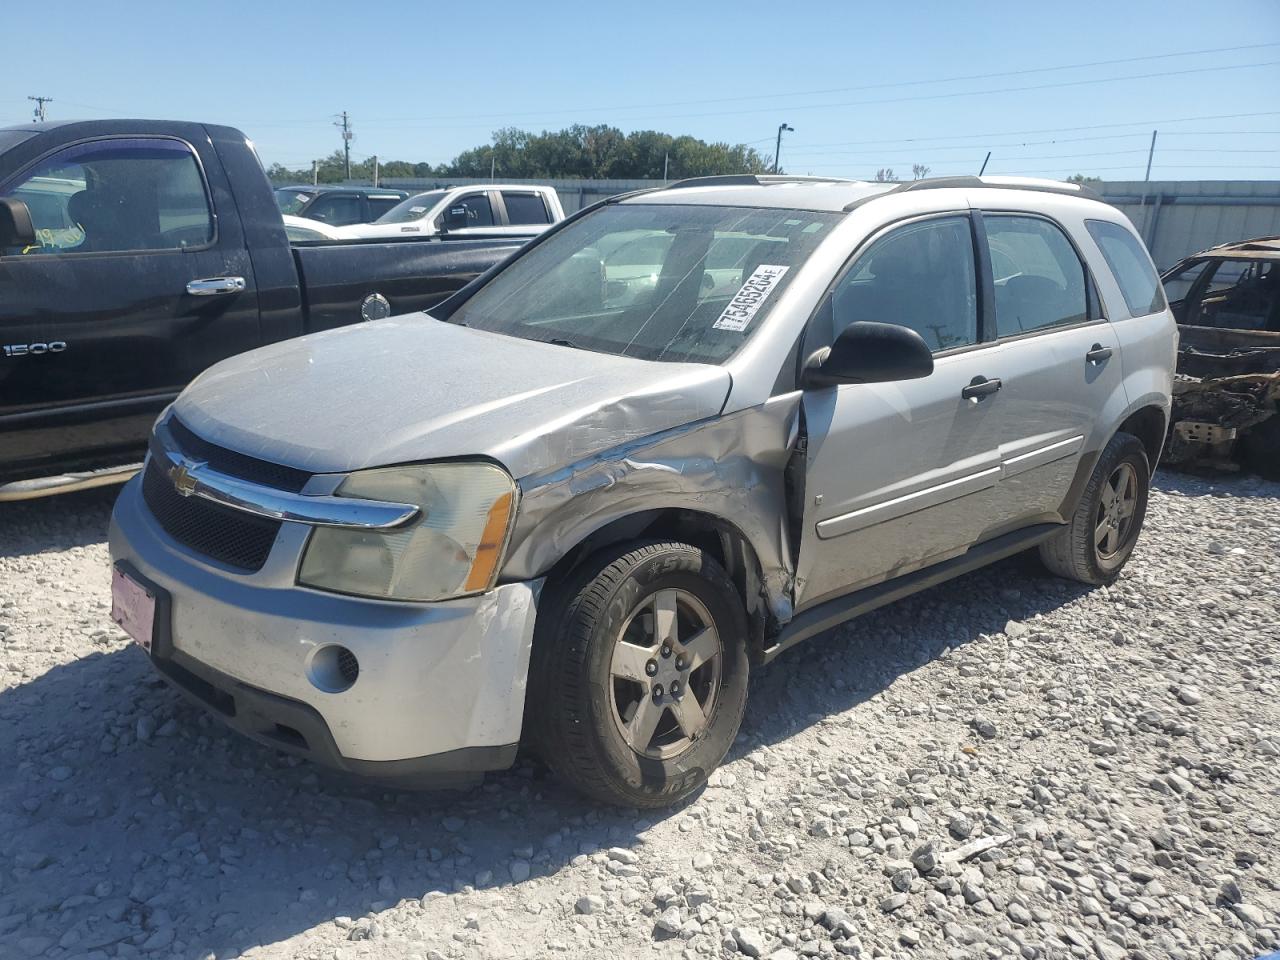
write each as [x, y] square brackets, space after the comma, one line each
[577, 152]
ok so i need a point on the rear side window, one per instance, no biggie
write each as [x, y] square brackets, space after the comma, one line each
[1130, 265]
[338, 209]
[117, 195]
[380, 205]
[525, 208]
[1039, 279]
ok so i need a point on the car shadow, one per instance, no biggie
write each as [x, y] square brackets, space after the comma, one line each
[134, 809]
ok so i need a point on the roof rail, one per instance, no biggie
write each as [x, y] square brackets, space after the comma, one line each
[1027, 183]
[750, 180]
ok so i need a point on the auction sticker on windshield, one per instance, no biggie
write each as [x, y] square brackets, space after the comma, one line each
[746, 303]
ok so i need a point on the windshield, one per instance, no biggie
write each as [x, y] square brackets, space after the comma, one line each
[291, 201]
[415, 208]
[658, 282]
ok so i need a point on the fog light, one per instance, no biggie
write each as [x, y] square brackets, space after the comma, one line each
[333, 668]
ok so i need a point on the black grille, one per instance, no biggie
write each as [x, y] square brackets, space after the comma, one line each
[236, 464]
[228, 536]
[348, 665]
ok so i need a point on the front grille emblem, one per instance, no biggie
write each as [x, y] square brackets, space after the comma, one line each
[182, 479]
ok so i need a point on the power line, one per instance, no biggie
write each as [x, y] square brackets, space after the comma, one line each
[1088, 126]
[755, 98]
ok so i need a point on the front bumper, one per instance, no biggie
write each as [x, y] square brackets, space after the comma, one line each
[440, 689]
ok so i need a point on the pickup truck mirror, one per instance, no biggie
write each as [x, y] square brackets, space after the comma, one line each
[455, 218]
[16, 228]
[870, 353]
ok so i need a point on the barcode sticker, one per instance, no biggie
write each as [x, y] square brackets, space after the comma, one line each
[746, 303]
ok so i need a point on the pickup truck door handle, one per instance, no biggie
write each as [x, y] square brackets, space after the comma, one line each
[215, 286]
[1097, 353]
[980, 388]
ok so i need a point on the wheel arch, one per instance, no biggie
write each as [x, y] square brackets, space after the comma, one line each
[1149, 423]
[716, 535]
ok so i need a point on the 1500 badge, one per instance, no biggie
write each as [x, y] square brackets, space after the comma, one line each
[34, 349]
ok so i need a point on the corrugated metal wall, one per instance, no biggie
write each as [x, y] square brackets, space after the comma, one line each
[1175, 217]
[1181, 217]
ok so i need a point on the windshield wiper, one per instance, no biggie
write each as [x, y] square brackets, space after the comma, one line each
[562, 342]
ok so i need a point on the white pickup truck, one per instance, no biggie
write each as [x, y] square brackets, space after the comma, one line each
[497, 208]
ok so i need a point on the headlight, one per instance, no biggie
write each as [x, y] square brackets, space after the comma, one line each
[454, 548]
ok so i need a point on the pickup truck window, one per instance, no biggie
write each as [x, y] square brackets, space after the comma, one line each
[291, 201]
[125, 194]
[479, 212]
[525, 208]
[415, 208]
[659, 297]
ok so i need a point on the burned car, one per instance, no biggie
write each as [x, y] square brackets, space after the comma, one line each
[1227, 391]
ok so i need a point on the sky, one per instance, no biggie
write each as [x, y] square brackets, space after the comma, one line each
[1050, 89]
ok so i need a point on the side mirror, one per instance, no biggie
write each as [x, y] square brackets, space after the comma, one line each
[16, 228]
[870, 353]
[455, 218]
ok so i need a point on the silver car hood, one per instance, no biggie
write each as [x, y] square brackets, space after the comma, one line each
[413, 388]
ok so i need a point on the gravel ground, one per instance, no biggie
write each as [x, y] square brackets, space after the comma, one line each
[1007, 765]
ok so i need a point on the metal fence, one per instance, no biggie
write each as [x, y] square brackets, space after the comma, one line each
[1175, 217]
[1181, 217]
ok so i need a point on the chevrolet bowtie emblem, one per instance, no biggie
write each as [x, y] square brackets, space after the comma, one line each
[182, 479]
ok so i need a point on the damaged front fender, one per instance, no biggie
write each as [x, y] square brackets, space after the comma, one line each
[730, 468]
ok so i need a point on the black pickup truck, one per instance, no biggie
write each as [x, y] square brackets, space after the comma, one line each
[136, 253]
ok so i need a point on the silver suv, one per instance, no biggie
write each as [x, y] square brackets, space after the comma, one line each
[674, 436]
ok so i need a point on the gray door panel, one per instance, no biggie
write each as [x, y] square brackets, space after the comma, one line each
[905, 472]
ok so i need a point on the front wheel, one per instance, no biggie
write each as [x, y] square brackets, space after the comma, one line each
[639, 674]
[1096, 544]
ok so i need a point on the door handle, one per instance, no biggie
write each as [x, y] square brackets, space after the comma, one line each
[980, 388]
[215, 286]
[1097, 353]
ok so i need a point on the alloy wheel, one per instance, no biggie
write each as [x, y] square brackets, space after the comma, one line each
[1116, 506]
[664, 674]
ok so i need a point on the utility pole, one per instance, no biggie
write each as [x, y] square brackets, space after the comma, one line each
[375, 169]
[315, 172]
[493, 165]
[1146, 179]
[666, 162]
[39, 113]
[777, 149]
[345, 126]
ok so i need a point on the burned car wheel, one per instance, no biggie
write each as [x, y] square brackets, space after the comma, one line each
[639, 674]
[1097, 542]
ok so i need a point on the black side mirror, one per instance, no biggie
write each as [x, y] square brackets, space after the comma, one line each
[870, 353]
[455, 218]
[16, 228]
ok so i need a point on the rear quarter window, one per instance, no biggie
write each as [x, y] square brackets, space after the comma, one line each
[1130, 265]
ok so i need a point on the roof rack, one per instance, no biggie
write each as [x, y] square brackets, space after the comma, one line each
[750, 180]
[1020, 183]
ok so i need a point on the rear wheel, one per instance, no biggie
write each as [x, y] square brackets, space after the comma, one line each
[639, 676]
[1098, 541]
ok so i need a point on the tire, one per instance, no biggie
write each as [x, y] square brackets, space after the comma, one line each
[595, 632]
[1078, 552]
[1258, 449]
